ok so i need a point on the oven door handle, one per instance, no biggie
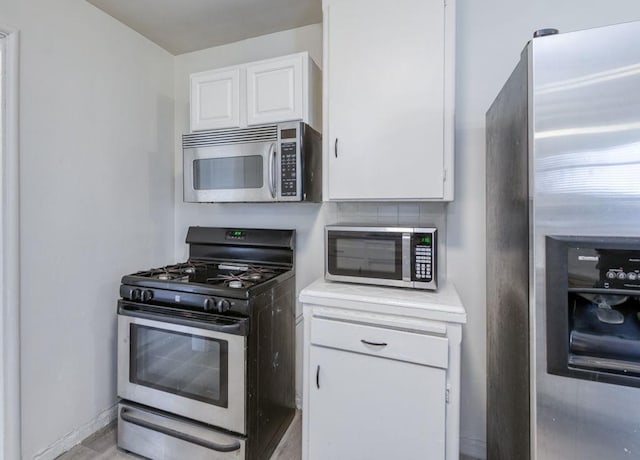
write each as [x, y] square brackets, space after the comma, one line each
[124, 415]
[238, 327]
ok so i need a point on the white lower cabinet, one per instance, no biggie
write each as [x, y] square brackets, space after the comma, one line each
[378, 386]
[366, 407]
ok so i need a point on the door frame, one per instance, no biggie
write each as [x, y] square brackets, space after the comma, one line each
[10, 416]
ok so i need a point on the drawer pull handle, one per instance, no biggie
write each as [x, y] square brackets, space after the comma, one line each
[125, 415]
[374, 344]
[318, 377]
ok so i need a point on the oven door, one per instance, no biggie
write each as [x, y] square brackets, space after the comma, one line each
[231, 173]
[194, 372]
[372, 255]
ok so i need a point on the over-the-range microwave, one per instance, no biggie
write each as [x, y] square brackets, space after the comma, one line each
[268, 163]
[389, 256]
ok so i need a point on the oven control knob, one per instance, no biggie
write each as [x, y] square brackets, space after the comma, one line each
[146, 295]
[134, 294]
[622, 275]
[611, 275]
[209, 304]
[223, 305]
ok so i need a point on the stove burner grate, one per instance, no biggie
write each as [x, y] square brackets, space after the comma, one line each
[242, 279]
[180, 272]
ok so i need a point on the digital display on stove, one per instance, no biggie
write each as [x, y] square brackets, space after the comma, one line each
[236, 234]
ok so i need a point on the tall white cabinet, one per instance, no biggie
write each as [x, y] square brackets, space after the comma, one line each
[381, 372]
[389, 99]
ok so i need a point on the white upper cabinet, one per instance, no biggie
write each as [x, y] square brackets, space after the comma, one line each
[389, 98]
[286, 88]
[274, 90]
[215, 99]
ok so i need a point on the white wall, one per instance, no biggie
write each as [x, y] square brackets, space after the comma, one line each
[490, 37]
[96, 198]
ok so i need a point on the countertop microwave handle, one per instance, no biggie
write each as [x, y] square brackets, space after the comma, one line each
[124, 415]
[272, 169]
[406, 256]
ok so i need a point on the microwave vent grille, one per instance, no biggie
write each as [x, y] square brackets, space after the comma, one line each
[263, 133]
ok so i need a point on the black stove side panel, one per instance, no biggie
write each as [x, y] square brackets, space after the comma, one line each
[270, 369]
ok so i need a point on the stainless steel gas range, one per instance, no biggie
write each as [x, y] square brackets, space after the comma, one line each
[205, 349]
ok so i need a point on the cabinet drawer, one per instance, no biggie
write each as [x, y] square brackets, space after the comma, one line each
[411, 347]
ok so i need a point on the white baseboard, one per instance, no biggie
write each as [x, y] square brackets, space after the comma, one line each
[77, 436]
[475, 448]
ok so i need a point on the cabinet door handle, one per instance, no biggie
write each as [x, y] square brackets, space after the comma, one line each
[335, 148]
[374, 344]
[318, 377]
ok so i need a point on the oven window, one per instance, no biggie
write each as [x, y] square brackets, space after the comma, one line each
[226, 173]
[368, 255]
[182, 364]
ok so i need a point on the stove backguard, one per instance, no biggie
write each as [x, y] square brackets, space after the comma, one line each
[593, 308]
[245, 246]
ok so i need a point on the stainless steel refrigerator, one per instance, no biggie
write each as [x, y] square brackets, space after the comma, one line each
[563, 250]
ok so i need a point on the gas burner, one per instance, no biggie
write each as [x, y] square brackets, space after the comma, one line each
[233, 280]
[172, 276]
[189, 270]
[254, 276]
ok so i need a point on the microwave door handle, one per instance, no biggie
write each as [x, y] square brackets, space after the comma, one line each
[406, 257]
[272, 169]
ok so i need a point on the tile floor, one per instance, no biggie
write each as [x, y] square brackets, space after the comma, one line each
[102, 446]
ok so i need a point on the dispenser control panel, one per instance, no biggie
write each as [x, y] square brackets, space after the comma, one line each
[604, 268]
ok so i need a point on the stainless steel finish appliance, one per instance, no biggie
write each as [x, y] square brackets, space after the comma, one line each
[563, 247]
[281, 162]
[159, 435]
[205, 348]
[158, 360]
[388, 256]
[592, 308]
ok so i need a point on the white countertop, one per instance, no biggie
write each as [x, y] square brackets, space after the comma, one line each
[441, 305]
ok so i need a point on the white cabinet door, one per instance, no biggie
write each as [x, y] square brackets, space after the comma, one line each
[215, 99]
[371, 408]
[385, 99]
[275, 90]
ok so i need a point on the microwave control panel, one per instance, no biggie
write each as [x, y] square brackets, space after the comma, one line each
[423, 256]
[288, 169]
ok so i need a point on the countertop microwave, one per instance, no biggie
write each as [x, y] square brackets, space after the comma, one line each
[389, 256]
[268, 163]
